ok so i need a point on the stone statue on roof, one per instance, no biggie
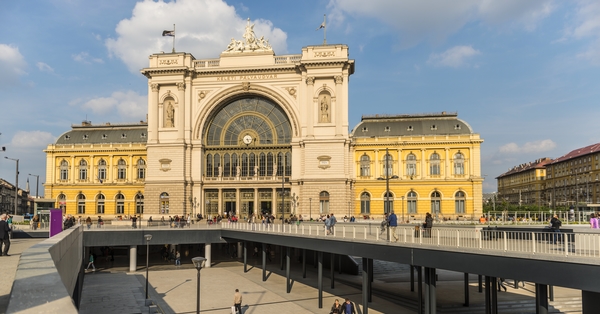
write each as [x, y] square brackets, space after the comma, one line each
[250, 43]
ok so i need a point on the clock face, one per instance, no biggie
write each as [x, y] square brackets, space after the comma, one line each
[247, 139]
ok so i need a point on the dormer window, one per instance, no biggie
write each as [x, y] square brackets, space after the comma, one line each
[123, 135]
[67, 137]
[457, 127]
[365, 129]
[85, 137]
[387, 129]
[104, 136]
[433, 127]
[410, 128]
[143, 135]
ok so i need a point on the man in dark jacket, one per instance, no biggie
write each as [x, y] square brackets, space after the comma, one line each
[348, 307]
[393, 222]
[4, 235]
[555, 224]
[69, 222]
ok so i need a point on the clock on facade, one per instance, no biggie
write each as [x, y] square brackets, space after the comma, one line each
[247, 139]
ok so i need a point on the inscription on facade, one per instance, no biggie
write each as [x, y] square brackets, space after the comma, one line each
[167, 61]
[247, 77]
[324, 54]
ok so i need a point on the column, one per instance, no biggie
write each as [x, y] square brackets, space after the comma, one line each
[153, 114]
[376, 165]
[180, 113]
[447, 168]
[237, 203]
[466, 283]
[132, 257]
[332, 269]
[541, 300]
[239, 249]
[245, 257]
[310, 110]
[423, 164]
[207, 254]
[274, 203]
[365, 285]
[430, 291]
[590, 301]
[320, 278]
[264, 262]
[338, 109]
[256, 205]
[288, 282]
[220, 202]
[303, 263]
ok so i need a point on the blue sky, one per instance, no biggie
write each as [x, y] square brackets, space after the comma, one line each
[524, 74]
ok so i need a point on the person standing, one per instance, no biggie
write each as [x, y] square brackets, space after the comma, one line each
[237, 301]
[393, 221]
[88, 222]
[555, 224]
[348, 307]
[177, 258]
[4, 235]
[336, 308]
[332, 222]
[593, 221]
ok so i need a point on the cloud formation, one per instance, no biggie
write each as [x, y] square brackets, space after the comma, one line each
[44, 67]
[454, 57]
[529, 147]
[85, 58]
[127, 104]
[586, 25]
[12, 65]
[204, 28]
[32, 139]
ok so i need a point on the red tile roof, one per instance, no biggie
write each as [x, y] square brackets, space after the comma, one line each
[538, 164]
[578, 153]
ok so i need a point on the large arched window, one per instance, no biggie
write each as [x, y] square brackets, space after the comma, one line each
[412, 202]
[141, 169]
[434, 164]
[217, 165]
[459, 164]
[139, 203]
[365, 166]
[324, 202]
[101, 170]
[244, 165]
[121, 169]
[388, 202]
[120, 207]
[226, 165]
[64, 170]
[365, 203]
[209, 165]
[83, 168]
[387, 164]
[164, 203]
[411, 165]
[80, 204]
[100, 204]
[436, 199]
[459, 202]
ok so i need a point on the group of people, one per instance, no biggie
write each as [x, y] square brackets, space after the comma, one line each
[330, 222]
[347, 307]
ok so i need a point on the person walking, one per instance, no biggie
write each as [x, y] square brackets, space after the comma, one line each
[4, 235]
[332, 222]
[91, 263]
[237, 301]
[177, 258]
[88, 222]
[336, 308]
[393, 221]
[348, 307]
[555, 224]
[593, 221]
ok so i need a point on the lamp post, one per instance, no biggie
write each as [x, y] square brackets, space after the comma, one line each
[386, 204]
[282, 195]
[310, 207]
[206, 208]
[16, 183]
[199, 264]
[148, 238]
[37, 183]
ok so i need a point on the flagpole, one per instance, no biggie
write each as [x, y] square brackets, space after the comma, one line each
[325, 29]
[174, 38]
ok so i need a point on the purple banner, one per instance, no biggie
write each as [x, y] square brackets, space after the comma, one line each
[55, 221]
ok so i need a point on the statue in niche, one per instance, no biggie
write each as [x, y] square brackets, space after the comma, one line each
[324, 116]
[170, 116]
[256, 171]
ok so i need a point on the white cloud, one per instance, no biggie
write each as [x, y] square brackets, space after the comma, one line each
[44, 67]
[204, 28]
[454, 57]
[12, 65]
[128, 104]
[435, 20]
[85, 57]
[585, 25]
[32, 139]
[529, 147]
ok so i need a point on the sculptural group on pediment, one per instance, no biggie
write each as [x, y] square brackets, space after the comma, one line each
[250, 42]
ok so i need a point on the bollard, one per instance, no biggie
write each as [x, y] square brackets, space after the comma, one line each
[366, 231]
[343, 231]
[353, 232]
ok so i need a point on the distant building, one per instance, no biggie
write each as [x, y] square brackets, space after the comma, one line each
[7, 199]
[524, 184]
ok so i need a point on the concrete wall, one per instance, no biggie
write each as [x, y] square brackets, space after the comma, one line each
[47, 275]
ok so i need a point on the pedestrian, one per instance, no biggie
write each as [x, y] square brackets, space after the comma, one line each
[177, 258]
[4, 235]
[348, 307]
[384, 224]
[593, 221]
[237, 302]
[69, 222]
[393, 221]
[336, 308]
[501, 285]
[332, 222]
[88, 222]
[91, 263]
[134, 221]
[555, 224]
[36, 221]
[428, 225]
[100, 222]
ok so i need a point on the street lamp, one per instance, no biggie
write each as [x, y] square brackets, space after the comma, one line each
[37, 183]
[148, 238]
[402, 208]
[16, 183]
[199, 264]
[310, 207]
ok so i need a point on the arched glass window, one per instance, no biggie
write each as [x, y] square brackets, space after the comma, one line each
[280, 164]
[434, 164]
[269, 164]
[64, 170]
[387, 164]
[411, 165]
[262, 165]
[459, 202]
[62, 202]
[252, 165]
[100, 204]
[324, 202]
[365, 166]
[83, 170]
[121, 169]
[388, 202]
[120, 208]
[80, 204]
[459, 163]
[244, 165]
[141, 169]
[436, 199]
[365, 203]
[216, 165]
[164, 203]
[288, 164]
[139, 203]
[101, 170]
[226, 165]
[209, 165]
[412, 202]
[234, 165]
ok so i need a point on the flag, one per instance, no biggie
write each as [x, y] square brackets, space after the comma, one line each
[322, 26]
[169, 33]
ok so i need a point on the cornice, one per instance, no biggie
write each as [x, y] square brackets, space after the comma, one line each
[416, 143]
[149, 72]
[224, 71]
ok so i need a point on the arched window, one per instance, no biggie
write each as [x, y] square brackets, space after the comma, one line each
[209, 165]
[164, 203]
[324, 202]
[288, 164]
[280, 164]
[216, 165]
[82, 170]
[365, 203]
[436, 199]
[120, 204]
[262, 165]
[244, 165]
[121, 169]
[388, 202]
[459, 163]
[252, 165]
[411, 165]
[80, 204]
[459, 202]
[412, 202]
[64, 170]
[434, 164]
[365, 166]
[62, 202]
[141, 169]
[226, 165]
[101, 170]
[139, 203]
[387, 163]
[100, 204]
[269, 164]
[234, 165]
